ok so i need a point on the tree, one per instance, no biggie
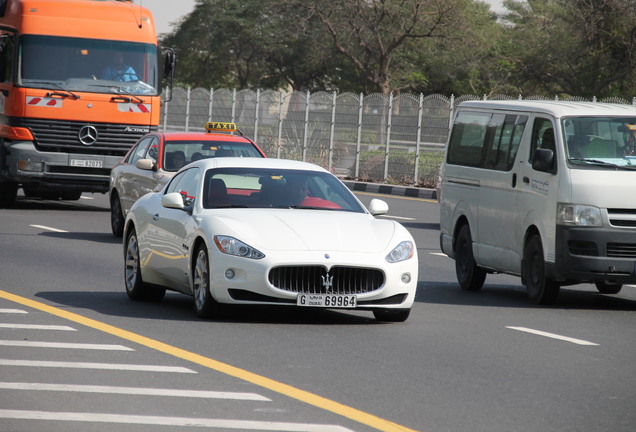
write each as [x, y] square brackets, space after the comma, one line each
[371, 33]
[576, 47]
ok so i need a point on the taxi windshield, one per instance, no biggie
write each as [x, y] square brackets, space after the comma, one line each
[600, 141]
[91, 65]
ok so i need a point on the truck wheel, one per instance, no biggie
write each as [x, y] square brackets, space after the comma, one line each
[541, 289]
[469, 275]
[8, 192]
[116, 216]
[608, 288]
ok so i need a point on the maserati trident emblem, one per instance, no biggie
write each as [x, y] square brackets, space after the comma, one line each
[87, 135]
[327, 282]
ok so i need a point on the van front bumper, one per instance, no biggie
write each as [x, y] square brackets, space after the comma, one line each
[594, 255]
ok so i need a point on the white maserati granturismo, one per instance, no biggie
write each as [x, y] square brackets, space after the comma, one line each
[269, 232]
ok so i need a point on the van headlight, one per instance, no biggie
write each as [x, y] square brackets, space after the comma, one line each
[401, 252]
[579, 215]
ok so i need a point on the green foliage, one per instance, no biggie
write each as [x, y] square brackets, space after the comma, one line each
[566, 47]
[401, 168]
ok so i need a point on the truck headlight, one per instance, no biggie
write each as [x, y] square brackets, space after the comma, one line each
[579, 215]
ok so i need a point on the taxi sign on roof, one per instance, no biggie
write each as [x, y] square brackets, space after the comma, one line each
[220, 126]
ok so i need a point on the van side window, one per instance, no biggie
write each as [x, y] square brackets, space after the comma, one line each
[467, 139]
[505, 131]
[543, 136]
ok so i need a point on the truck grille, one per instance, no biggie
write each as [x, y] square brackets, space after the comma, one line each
[63, 136]
[313, 279]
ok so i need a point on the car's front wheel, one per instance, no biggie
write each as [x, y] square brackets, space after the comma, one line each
[391, 315]
[204, 305]
[135, 286]
[116, 216]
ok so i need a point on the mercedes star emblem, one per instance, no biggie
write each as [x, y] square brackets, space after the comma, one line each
[87, 135]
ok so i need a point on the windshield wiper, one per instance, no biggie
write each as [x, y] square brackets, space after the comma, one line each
[122, 91]
[67, 93]
[597, 162]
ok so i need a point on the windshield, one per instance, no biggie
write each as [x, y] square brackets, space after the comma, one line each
[98, 66]
[600, 141]
[289, 189]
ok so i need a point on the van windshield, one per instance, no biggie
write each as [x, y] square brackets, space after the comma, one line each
[600, 141]
[89, 65]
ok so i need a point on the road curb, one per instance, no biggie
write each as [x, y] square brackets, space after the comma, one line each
[407, 191]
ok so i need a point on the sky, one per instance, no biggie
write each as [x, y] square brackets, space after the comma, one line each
[167, 12]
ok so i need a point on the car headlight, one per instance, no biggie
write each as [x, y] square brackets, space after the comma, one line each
[579, 215]
[231, 246]
[401, 252]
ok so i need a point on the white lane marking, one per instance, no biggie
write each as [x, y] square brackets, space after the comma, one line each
[106, 366]
[36, 327]
[132, 391]
[171, 421]
[38, 344]
[438, 254]
[48, 228]
[398, 217]
[86, 197]
[552, 335]
[13, 311]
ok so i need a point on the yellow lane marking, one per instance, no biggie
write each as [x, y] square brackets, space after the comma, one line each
[259, 380]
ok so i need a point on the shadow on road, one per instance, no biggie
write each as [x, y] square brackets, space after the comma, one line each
[179, 307]
[582, 297]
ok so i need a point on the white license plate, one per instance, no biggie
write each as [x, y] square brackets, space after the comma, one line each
[87, 163]
[326, 300]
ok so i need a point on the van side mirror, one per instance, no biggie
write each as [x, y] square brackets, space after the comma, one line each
[544, 161]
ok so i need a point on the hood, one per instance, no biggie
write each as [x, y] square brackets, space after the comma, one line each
[603, 188]
[303, 230]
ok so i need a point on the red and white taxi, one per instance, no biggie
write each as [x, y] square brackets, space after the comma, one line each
[157, 157]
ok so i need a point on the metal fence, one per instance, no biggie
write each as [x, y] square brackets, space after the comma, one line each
[396, 139]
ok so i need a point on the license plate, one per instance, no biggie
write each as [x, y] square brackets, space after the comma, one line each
[87, 163]
[326, 300]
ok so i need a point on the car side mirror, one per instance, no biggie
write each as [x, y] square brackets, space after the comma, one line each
[544, 161]
[378, 207]
[145, 164]
[173, 200]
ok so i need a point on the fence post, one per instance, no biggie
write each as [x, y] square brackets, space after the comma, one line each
[211, 104]
[280, 125]
[332, 131]
[451, 114]
[166, 104]
[258, 102]
[233, 106]
[388, 137]
[359, 137]
[187, 115]
[306, 128]
[418, 138]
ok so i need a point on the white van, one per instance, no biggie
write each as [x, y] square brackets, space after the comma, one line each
[545, 190]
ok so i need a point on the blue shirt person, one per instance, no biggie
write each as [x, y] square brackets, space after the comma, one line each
[118, 70]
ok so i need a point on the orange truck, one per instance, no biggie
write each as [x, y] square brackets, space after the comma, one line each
[80, 83]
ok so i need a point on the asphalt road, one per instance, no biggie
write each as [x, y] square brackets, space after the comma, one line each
[77, 355]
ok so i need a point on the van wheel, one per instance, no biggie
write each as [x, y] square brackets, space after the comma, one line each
[608, 288]
[469, 275]
[541, 289]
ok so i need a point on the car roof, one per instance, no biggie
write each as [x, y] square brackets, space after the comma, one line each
[557, 109]
[270, 163]
[202, 136]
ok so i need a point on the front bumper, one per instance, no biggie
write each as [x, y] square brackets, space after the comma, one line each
[595, 254]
